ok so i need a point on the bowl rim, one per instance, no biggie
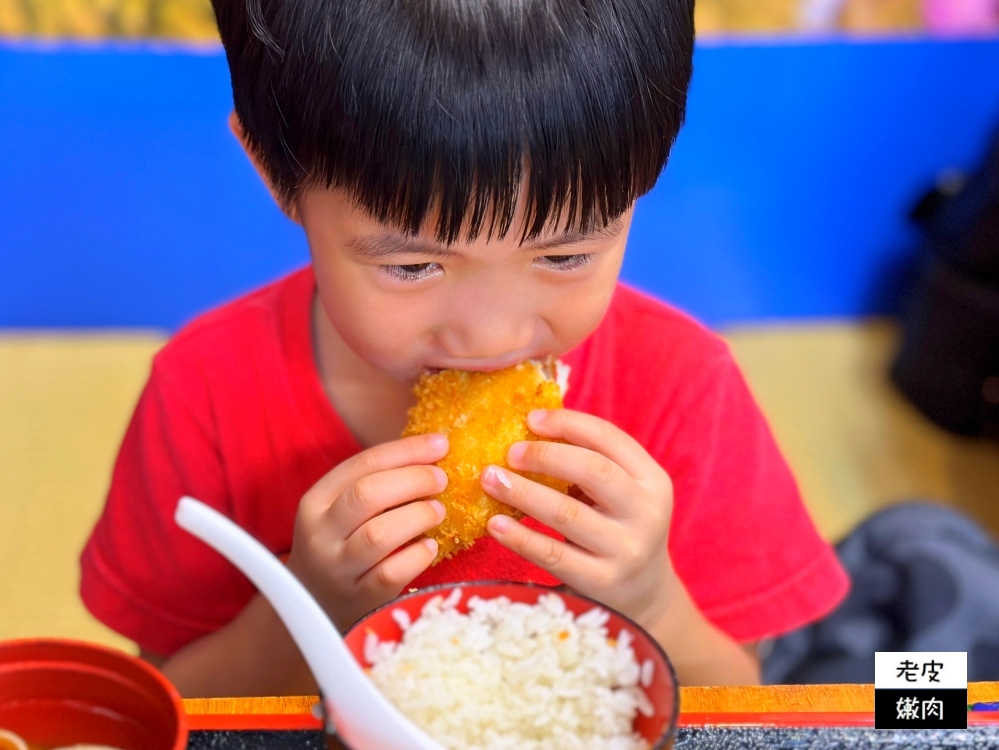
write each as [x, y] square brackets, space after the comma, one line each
[671, 730]
[177, 703]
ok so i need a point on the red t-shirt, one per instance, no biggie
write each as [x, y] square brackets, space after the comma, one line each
[234, 414]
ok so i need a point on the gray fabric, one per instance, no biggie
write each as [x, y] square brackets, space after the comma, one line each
[925, 578]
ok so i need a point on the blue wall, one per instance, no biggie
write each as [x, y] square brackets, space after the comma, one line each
[124, 200]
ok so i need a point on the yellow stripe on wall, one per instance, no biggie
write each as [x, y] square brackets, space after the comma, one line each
[65, 401]
[96, 19]
[194, 20]
[855, 443]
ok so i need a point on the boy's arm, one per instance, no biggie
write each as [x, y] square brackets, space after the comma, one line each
[230, 662]
[700, 653]
[703, 654]
[252, 655]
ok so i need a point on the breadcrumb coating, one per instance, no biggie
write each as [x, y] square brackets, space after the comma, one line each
[482, 414]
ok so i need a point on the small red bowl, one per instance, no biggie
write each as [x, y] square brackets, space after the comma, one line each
[659, 730]
[57, 692]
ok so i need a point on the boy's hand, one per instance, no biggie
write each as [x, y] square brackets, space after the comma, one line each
[351, 524]
[616, 532]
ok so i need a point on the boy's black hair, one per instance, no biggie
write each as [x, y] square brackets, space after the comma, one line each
[419, 108]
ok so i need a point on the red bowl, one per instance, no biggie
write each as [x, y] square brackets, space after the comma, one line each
[57, 692]
[658, 730]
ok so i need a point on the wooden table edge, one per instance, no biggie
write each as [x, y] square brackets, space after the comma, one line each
[825, 705]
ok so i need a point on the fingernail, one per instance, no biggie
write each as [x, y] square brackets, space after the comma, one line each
[536, 417]
[438, 507]
[516, 452]
[441, 476]
[431, 545]
[494, 475]
[500, 523]
[438, 442]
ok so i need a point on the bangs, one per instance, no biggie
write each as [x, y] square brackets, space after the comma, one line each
[445, 115]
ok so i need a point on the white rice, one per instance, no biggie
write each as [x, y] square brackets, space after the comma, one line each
[511, 676]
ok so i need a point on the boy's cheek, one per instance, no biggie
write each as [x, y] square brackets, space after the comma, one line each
[398, 358]
[371, 326]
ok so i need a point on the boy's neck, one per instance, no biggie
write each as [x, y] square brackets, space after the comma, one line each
[371, 404]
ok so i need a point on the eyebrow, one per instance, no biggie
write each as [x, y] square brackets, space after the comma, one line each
[388, 245]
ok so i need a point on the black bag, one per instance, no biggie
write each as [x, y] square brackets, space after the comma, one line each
[925, 578]
[960, 218]
[949, 360]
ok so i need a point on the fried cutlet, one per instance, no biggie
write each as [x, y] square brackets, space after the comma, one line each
[482, 414]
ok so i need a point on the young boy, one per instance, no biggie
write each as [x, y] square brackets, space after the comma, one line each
[465, 172]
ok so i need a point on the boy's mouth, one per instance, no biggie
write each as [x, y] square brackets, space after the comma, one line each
[483, 366]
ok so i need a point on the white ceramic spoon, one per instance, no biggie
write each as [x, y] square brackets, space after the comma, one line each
[363, 717]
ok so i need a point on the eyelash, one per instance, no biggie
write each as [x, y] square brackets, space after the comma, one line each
[420, 271]
[567, 263]
[407, 272]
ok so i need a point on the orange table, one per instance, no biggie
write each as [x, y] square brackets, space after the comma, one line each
[789, 705]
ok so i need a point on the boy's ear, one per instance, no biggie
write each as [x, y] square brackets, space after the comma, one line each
[290, 209]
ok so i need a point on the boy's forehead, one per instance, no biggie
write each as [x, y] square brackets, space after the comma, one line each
[367, 234]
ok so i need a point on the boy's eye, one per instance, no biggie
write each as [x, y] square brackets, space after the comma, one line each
[412, 271]
[566, 262]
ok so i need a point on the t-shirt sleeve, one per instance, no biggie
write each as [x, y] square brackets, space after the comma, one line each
[741, 538]
[141, 574]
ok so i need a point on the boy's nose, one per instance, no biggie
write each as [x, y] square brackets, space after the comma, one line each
[488, 340]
